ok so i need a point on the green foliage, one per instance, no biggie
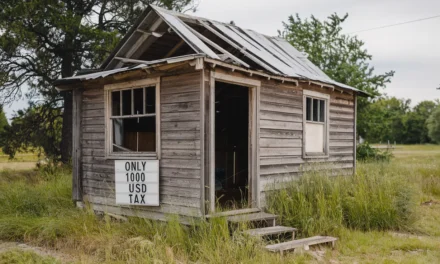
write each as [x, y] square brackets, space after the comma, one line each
[22, 256]
[36, 128]
[392, 119]
[3, 122]
[433, 124]
[373, 199]
[364, 152]
[342, 57]
[43, 40]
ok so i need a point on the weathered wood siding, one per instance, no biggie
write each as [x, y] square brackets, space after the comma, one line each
[281, 125]
[180, 174]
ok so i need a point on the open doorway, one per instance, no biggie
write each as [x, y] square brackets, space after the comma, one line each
[232, 136]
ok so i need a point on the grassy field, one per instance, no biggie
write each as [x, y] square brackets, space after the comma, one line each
[21, 161]
[387, 213]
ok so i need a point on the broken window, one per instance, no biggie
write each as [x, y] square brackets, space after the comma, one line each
[133, 120]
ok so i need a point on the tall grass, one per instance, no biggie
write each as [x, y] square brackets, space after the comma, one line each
[36, 208]
[373, 199]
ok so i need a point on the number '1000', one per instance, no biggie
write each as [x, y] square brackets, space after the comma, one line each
[136, 176]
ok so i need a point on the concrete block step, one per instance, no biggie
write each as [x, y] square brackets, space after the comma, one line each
[271, 230]
[301, 243]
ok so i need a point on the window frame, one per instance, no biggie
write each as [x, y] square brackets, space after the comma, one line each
[326, 123]
[108, 89]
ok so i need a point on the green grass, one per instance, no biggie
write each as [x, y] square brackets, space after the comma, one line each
[20, 257]
[376, 215]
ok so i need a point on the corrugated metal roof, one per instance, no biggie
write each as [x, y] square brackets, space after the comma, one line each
[273, 55]
[141, 65]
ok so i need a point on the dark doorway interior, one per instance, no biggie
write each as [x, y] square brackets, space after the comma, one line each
[231, 145]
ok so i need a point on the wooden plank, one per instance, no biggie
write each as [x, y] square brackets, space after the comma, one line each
[343, 129]
[341, 122]
[280, 160]
[181, 97]
[180, 154]
[253, 217]
[279, 169]
[281, 125]
[270, 231]
[295, 101]
[180, 135]
[273, 133]
[277, 116]
[234, 212]
[93, 128]
[188, 144]
[354, 134]
[164, 208]
[202, 142]
[180, 107]
[179, 172]
[301, 243]
[180, 116]
[340, 143]
[181, 126]
[288, 90]
[280, 143]
[76, 145]
[341, 109]
[274, 107]
[341, 136]
[267, 152]
[176, 163]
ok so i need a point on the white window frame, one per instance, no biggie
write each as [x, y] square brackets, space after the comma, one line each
[108, 89]
[326, 98]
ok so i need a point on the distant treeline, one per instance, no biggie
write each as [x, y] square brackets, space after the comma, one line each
[392, 119]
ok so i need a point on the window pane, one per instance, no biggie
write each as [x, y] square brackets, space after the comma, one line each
[134, 134]
[126, 102]
[138, 101]
[309, 109]
[151, 100]
[116, 103]
[315, 109]
[322, 111]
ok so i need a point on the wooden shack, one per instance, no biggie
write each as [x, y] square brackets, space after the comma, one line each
[188, 114]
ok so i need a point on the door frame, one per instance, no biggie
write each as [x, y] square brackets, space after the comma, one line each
[254, 134]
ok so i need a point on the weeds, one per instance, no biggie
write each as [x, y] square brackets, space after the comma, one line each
[373, 199]
[36, 208]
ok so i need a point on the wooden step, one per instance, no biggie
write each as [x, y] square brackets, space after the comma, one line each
[253, 217]
[234, 212]
[305, 243]
[272, 230]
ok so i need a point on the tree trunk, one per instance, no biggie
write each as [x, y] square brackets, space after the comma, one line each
[66, 137]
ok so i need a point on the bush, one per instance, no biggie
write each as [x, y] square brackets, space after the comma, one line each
[369, 200]
[364, 152]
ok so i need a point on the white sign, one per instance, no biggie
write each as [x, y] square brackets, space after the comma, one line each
[137, 182]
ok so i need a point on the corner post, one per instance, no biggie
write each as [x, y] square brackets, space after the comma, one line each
[76, 148]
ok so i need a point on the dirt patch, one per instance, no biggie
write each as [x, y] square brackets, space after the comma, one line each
[64, 258]
[17, 165]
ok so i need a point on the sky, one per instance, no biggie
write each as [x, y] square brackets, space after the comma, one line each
[412, 50]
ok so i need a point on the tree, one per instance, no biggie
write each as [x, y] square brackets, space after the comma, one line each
[37, 127]
[3, 121]
[342, 57]
[433, 123]
[43, 40]
[386, 120]
[415, 124]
